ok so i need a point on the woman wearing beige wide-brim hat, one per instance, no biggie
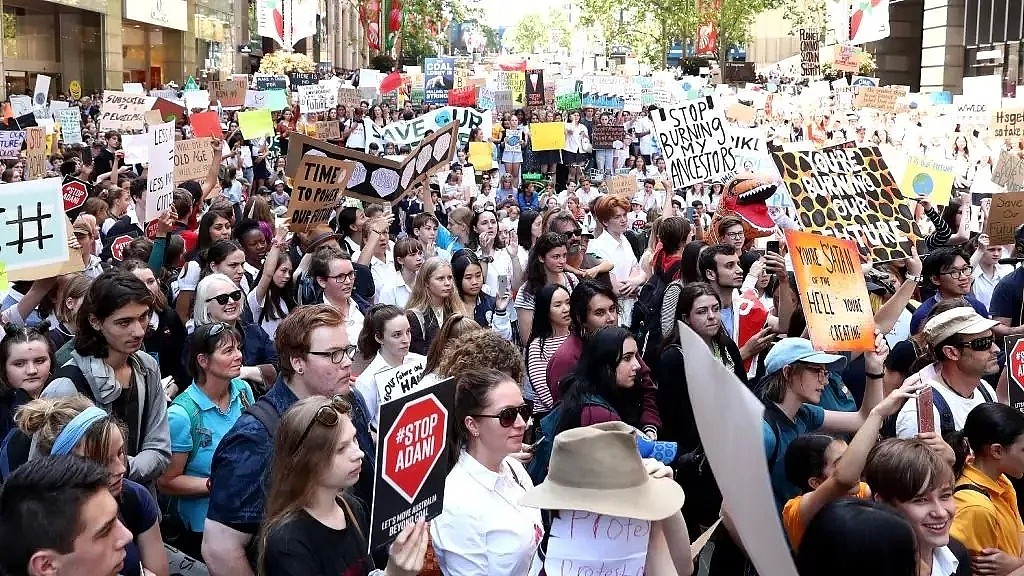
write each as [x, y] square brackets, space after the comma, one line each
[598, 469]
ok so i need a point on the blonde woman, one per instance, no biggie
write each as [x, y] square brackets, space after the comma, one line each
[433, 300]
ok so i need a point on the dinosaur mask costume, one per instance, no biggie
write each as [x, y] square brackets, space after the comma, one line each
[745, 197]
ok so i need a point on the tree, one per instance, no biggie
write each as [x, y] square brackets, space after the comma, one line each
[533, 32]
[805, 13]
[647, 27]
[424, 23]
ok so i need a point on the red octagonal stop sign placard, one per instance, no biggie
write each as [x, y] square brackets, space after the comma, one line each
[414, 445]
[1015, 369]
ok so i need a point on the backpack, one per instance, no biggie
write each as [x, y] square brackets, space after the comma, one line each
[538, 467]
[645, 323]
[195, 419]
[946, 423]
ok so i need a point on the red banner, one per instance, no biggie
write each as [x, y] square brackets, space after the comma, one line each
[707, 29]
[462, 96]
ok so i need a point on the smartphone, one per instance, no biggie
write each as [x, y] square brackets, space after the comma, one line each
[773, 246]
[503, 281]
[534, 445]
[925, 414]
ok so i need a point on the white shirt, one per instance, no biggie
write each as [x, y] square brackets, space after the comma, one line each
[502, 265]
[367, 387]
[396, 293]
[646, 142]
[944, 562]
[483, 530]
[574, 134]
[960, 407]
[354, 322]
[383, 272]
[268, 325]
[620, 253]
[984, 285]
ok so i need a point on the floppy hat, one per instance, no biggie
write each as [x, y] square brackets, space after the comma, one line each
[789, 350]
[598, 469]
[960, 320]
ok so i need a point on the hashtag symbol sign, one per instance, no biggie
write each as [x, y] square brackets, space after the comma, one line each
[21, 220]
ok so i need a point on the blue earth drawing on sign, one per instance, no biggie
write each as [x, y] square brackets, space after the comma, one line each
[512, 140]
[686, 86]
[443, 117]
[923, 184]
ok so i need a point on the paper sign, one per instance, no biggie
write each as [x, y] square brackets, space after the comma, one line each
[10, 144]
[122, 111]
[276, 100]
[847, 58]
[462, 96]
[160, 173]
[32, 224]
[399, 381]
[296, 79]
[35, 153]
[438, 79]
[810, 49]
[534, 87]
[750, 147]
[503, 101]
[329, 130]
[568, 101]
[230, 93]
[623, 185]
[255, 123]
[318, 184]
[135, 148]
[41, 94]
[547, 135]
[1015, 369]
[740, 113]
[205, 124]
[883, 98]
[134, 88]
[264, 82]
[197, 99]
[693, 140]
[588, 543]
[192, 159]
[850, 193]
[1009, 171]
[411, 132]
[485, 98]
[972, 110]
[604, 136]
[255, 99]
[21, 105]
[926, 178]
[480, 156]
[833, 293]
[1008, 123]
[1004, 215]
[348, 97]
[316, 98]
[604, 91]
[515, 82]
[169, 111]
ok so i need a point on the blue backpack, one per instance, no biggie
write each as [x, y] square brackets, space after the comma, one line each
[538, 466]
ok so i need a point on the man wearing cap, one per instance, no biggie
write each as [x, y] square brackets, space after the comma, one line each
[948, 270]
[84, 231]
[963, 344]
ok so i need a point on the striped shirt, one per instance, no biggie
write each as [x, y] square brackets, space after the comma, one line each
[538, 354]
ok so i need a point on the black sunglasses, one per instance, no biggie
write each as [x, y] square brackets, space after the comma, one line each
[978, 344]
[222, 299]
[327, 415]
[507, 416]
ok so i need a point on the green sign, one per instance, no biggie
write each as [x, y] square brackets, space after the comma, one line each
[570, 101]
[417, 96]
[190, 85]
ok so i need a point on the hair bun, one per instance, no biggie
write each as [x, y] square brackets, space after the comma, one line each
[44, 327]
[11, 329]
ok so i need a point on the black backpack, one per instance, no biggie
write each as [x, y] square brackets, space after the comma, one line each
[645, 323]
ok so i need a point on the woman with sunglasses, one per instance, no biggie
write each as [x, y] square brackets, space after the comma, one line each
[219, 299]
[384, 342]
[483, 528]
[198, 418]
[312, 525]
[432, 301]
[487, 310]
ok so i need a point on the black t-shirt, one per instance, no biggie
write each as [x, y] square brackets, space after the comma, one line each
[103, 163]
[1007, 300]
[302, 546]
[126, 408]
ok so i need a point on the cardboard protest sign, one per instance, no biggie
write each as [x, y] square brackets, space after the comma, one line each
[264, 82]
[377, 179]
[255, 123]
[850, 193]
[503, 101]
[730, 420]
[318, 185]
[329, 130]
[348, 97]
[1004, 215]
[400, 381]
[750, 147]
[160, 188]
[316, 98]
[930, 179]
[810, 49]
[74, 192]
[693, 140]
[10, 143]
[880, 98]
[604, 91]
[32, 225]
[230, 93]
[589, 543]
[604, 136]
[410, 132]
[35, 152]
[122, 111]
[192, 159]
[833, 293]
[414, 437]
[206, 124]
[534, 87]
[740, 113]
[438, 79]
[547, 135]
[480, 156]
[1009, 171]
[622, 185]
[1008, 123]
[1015, 369]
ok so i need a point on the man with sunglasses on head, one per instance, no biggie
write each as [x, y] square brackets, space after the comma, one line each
[579, 262]
[316, 358]
[950, 272]
[965, 351]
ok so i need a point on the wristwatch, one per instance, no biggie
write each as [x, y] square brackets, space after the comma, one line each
[919, 278]
[487, 259]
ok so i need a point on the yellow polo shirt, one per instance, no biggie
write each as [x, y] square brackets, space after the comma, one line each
[990, 521]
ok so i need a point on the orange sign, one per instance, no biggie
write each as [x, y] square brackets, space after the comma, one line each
[832, 291]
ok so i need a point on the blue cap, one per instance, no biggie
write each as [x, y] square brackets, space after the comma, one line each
[789, 350]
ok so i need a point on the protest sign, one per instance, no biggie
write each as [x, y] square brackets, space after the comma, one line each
[230, 93]
[255, 99]
[623, 185]
[503, 101]
[930, 179]
[880, 98]
[21, 105]
[400, 381]
[850, 193]
[35, 152]
[196, 99]
[296, 79]
[480, 156]
[1004, 215]
[409, 132]
[1015, 369]
[847, 58]
[604, 136]
[318, 184]
[462, 96]
[263, 82]
[970, 110]
[10, 143]
[604, 91]
[122, 111]
[730, 420]
[32, 225]
[534, 87]
[276, 100]
[133, 87]
[485, 98]
[410, 475]
[1009, 171]
[348, 97]
[693, 140]
[750, 147]
[377, 179]
[740, 113]
[547, 135]
[461, 78]
[316, 98]
[438, 79]
[515, 82]
[810, 49]
[1008, 123]
[169, 111]
[192, 159]
[833, 293]
[135, 148]
[255, 123]
[74, 192]
[205, 124]
[160, 188]
[329, 130]
[588, 543]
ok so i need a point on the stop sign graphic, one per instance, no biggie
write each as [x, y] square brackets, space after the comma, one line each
[414, 445]
[74, 193]
[1015, 363]
[118, 246]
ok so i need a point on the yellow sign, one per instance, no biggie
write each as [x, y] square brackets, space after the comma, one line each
[255, 123]
[75, 88]
[928, 179]
[547, 135]
[480, 156]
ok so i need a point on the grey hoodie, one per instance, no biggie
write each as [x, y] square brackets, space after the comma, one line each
[154, 451]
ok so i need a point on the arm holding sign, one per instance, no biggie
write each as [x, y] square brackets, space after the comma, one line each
[16, 314]
[668, 548]
[890, 312]
[850, 422]
[213, 176]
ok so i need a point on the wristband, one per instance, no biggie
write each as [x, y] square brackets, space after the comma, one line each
[915, 278]
[877, 376]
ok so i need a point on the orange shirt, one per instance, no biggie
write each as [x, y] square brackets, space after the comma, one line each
[795, 525]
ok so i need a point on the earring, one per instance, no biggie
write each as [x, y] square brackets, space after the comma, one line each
[299, 372]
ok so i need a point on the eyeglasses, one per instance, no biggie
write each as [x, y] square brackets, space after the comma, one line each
[337, 356]
[978, 344]
[222, 299]
[735, 235]
[817, 369]
[507, 416]
[958, 273]
[327, 415]
[343, 277]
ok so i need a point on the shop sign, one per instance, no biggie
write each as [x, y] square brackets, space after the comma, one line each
[166, 13]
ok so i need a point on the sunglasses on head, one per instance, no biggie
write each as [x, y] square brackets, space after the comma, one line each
[978, 344]
[327, 415]
[507, 416]
[222, 299]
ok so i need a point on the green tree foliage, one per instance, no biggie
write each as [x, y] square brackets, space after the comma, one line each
[418, 39]
[804, 13]
[533, 32]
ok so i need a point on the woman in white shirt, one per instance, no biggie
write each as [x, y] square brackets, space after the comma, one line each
[483, 529]
[573, 154]
[274, 284]
[385, 338]
[408, 254]
[643, 129]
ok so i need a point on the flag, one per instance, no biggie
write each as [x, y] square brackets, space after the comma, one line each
[390, 82]
[869, 21]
